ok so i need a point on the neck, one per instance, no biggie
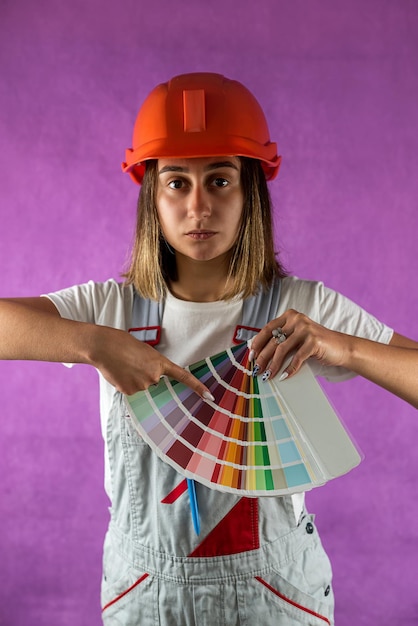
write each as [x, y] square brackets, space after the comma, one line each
[200, 281]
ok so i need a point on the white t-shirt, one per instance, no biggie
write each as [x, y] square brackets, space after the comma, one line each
[194, 330]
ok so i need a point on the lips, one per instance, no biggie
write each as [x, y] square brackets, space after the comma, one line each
[200, 234]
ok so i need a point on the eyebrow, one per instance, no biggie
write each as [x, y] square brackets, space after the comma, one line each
[208, 168]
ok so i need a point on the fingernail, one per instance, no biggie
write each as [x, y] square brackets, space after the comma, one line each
[208, 396]
[283, 376]
[266, 375]
[255, 371]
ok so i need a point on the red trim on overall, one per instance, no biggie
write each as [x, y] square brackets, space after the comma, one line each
[151, 342]
[119, 597]
[289, 601]
[236, 339]
[176, 493]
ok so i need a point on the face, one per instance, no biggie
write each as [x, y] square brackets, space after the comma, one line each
[199, 204]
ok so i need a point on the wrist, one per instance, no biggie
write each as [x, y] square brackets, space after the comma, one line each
[93, 344]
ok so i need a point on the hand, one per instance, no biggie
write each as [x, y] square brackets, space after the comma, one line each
[131, 365]
[304, 339]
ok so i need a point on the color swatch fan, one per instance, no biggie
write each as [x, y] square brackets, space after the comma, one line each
[257, 438]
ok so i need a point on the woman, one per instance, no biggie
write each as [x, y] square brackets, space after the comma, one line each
[204, 247]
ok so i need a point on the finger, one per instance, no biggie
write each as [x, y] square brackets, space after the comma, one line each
[261, 339]
[264, 336]
[271, 359]
[298, 359]
[185, 377]
[264, 356]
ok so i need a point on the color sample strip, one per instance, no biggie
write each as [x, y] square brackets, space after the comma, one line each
[259, 454]
[242, 442]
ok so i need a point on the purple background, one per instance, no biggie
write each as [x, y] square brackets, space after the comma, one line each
[339, 83]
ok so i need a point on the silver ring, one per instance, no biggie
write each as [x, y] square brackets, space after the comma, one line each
[279, 336]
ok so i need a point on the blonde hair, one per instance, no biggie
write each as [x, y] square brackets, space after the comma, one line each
[253, 261]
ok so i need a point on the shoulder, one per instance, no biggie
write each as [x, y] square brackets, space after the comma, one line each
[306, 296]
[331, 309]
[107, 303]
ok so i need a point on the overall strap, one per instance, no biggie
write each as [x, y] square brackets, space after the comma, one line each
[257, 311]
[146, 319]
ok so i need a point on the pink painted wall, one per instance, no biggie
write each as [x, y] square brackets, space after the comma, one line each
[339, 84]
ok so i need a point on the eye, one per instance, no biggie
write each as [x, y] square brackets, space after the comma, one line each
[176, 184]
[220, 182]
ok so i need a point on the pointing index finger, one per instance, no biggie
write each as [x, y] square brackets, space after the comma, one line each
[184, 376]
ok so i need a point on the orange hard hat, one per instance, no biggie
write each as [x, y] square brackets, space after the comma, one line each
[199, 115]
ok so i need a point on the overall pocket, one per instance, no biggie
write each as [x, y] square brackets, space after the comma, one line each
[299, 607]
[298, 592]
[128, 594]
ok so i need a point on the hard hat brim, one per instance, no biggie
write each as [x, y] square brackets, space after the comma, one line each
[237, 146]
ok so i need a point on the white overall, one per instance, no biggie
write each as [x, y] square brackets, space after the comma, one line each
[251, 564]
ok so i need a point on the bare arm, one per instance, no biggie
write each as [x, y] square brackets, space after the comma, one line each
[393, 367]
[32, 329]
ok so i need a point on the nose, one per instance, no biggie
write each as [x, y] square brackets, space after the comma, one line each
[199, 203]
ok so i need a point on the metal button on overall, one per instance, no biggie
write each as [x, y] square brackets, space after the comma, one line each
[327, 591]
[309, 528]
